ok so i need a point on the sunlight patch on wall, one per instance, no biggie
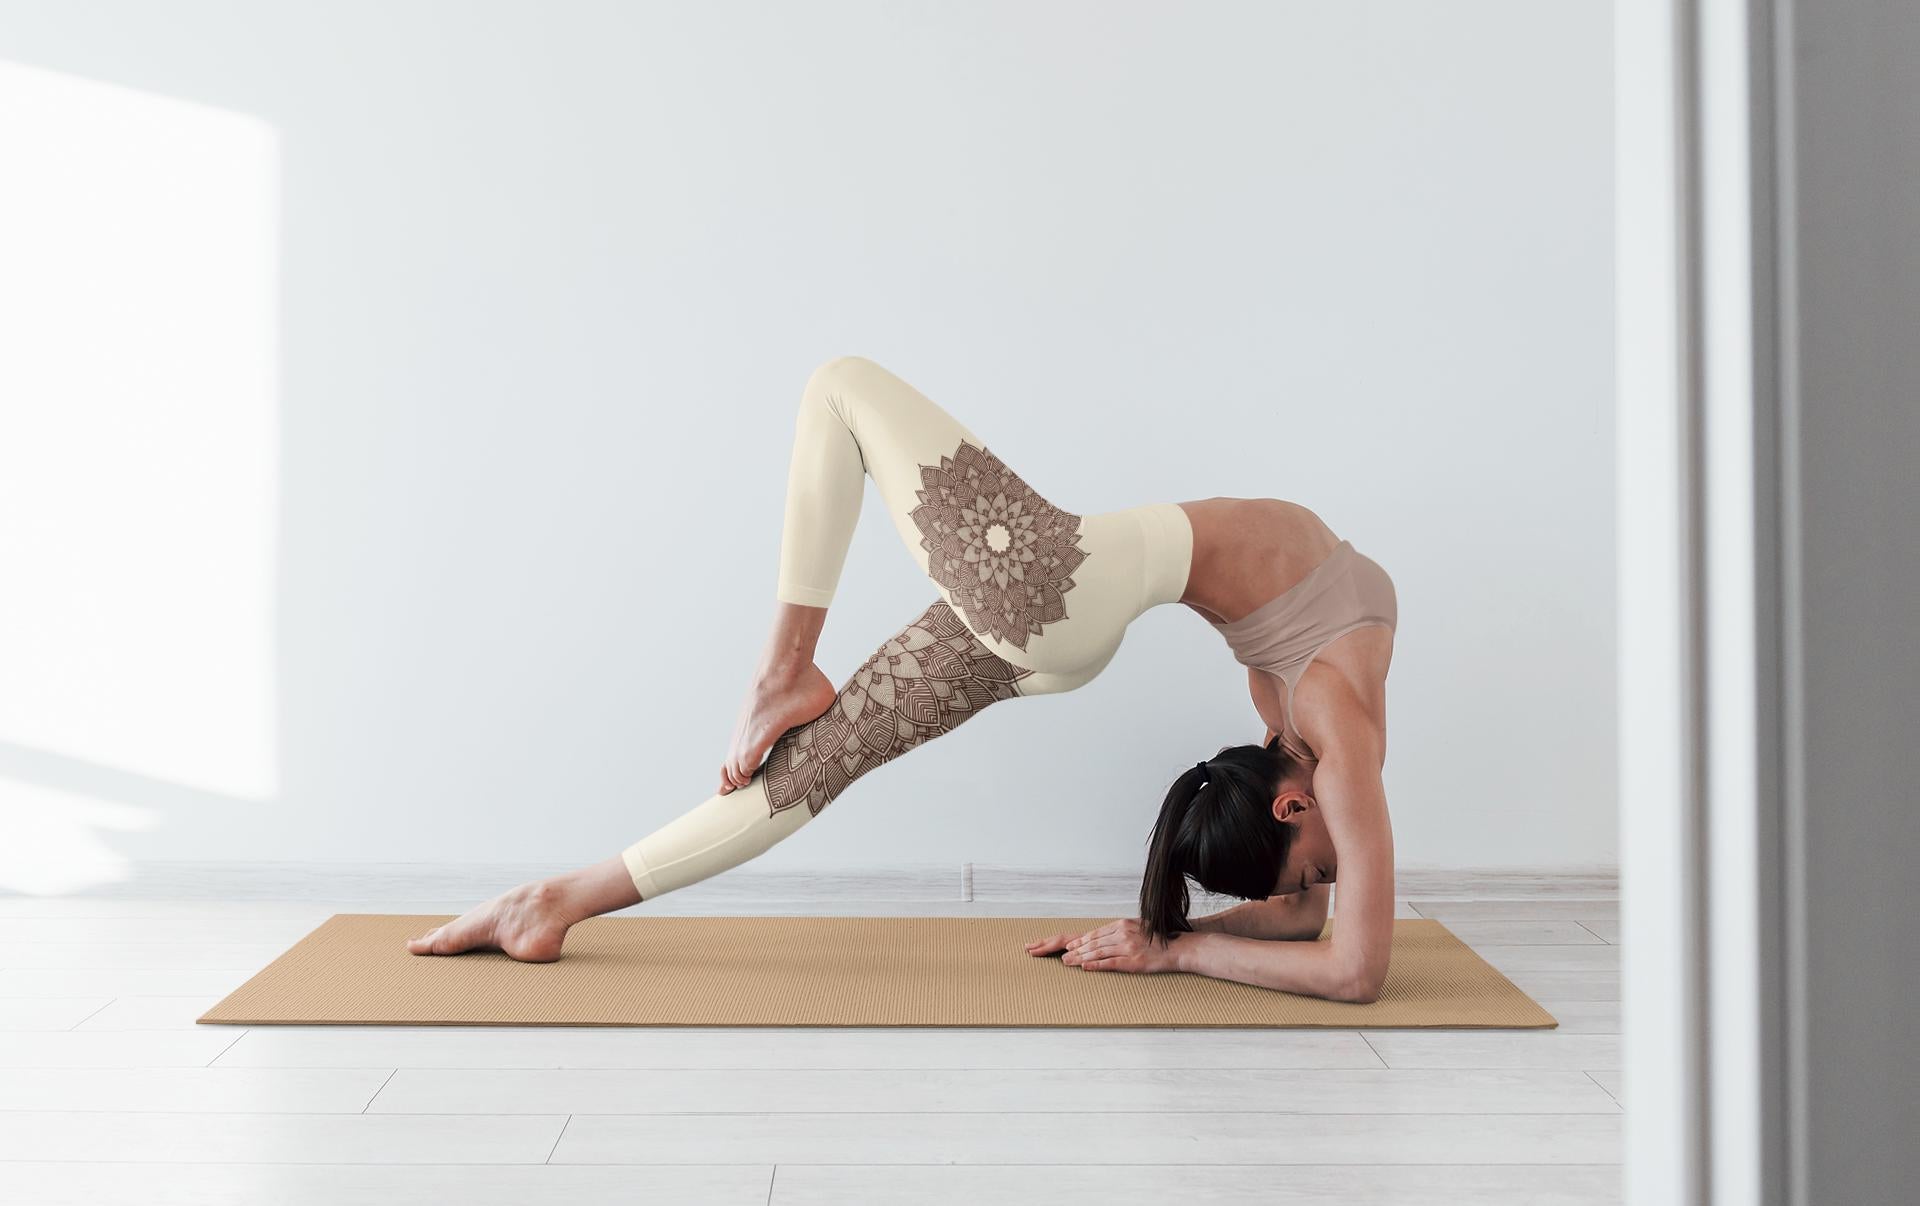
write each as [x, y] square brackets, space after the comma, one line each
[138, 442]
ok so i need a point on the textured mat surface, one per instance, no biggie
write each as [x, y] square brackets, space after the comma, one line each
[827, 971]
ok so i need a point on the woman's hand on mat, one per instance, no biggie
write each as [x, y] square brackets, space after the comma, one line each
[1116, 946]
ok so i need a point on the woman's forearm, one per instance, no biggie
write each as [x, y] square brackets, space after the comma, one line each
[1251, 919]
[1314, 969]
[1301, 916]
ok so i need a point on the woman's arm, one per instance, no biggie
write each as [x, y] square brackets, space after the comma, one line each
[1295, 917]
[1352, 964]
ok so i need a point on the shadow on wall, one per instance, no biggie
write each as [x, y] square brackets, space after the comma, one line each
[139, 468]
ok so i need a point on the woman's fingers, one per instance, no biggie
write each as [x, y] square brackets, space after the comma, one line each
[1092, 939]
[1114, 940]
[1083, 944]
[1080, 955]
[1049, 946]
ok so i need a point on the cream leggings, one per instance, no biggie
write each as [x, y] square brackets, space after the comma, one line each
[1033, 601]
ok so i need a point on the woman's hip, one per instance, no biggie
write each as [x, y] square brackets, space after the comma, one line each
[1063, 610]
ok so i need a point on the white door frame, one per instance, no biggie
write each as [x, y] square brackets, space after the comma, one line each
[1706, 803]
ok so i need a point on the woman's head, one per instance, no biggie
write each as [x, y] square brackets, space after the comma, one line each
[1242, 823]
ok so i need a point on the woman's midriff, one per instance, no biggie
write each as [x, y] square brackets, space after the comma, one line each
[1247, 551]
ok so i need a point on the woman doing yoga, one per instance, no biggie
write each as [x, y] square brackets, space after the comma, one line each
[1034, 600]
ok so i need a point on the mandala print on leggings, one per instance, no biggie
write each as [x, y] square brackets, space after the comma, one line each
[920, 684]
[1006, 554]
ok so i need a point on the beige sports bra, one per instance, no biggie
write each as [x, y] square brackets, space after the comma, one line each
[1282, 636]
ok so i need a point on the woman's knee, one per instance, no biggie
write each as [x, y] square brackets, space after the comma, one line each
[832, 388]
[838, 374]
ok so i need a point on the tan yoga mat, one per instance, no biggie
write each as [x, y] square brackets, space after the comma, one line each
[827, 971]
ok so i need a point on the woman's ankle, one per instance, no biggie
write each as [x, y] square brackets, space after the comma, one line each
[781, 668]
[590, 891]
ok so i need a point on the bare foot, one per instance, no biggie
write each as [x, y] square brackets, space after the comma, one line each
[779, 700]
[529, 923]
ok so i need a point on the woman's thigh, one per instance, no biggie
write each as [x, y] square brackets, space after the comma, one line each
[1047, 589]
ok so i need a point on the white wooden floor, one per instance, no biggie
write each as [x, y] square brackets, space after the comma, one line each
[110, 1093]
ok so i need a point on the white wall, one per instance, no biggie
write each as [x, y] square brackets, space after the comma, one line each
[549, 281]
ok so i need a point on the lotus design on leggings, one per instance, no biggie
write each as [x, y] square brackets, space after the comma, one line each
[1004, 553]
[923, 682]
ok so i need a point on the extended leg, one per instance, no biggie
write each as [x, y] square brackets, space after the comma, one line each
[924, 681]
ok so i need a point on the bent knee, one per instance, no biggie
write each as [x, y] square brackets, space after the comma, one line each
[838, 373]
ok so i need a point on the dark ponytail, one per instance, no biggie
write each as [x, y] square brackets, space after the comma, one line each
[1216, 826]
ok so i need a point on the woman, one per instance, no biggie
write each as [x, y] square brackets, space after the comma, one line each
[1034, 600]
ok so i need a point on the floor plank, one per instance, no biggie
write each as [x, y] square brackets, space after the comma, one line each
[1296, 1185]
[193, 1090]
[151, 1013]
[1507, 932]
[1597, 956]
[1575, 1017]
[1541, 985]
[246, 957]
[278, 1138]
[1607, 930]
[1548, 1049]
[1222, 1138]
[1543, 909]
[1094, 1090]
[120, 982]
[110, 1049]
[714, 1049]
[48, 1013]
[256, 1184]
[61, 931]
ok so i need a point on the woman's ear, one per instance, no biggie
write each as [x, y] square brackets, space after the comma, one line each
[1288, 805]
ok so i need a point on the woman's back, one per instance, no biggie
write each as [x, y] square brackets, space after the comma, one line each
[1248, 553]
[1249, 550]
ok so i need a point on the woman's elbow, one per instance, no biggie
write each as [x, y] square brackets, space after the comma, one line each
[1361, 987]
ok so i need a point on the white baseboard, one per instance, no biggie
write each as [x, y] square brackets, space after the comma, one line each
[990, 883]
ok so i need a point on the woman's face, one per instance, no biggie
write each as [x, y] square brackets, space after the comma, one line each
[1310, 860]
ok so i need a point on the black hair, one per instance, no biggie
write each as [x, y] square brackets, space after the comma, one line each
[1217, 827]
